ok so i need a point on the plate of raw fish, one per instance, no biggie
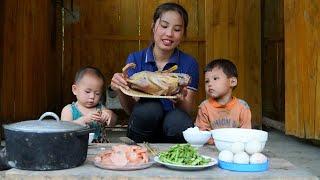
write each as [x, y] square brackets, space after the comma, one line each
[123, 157]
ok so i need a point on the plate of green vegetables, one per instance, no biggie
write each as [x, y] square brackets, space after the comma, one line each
[184, 157]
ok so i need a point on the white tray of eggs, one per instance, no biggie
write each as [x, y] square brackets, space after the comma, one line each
[240, 149]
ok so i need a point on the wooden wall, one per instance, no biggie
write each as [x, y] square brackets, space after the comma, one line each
[123, 26]
[233, 31]
[107, 31]
[302, 68]
[30, 73]
[102, 34]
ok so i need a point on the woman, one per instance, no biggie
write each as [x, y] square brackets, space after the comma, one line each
[161, 120]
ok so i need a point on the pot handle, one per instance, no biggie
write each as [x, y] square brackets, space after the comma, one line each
[84, 131]
[49, 114]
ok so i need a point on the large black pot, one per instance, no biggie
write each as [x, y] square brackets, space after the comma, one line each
[46, 145]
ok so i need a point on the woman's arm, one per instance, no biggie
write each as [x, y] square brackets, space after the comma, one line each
[127, 102]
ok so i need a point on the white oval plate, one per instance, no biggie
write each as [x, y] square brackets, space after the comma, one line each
[187, 167]
[124, 168]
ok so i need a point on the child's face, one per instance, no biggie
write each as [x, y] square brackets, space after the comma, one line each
[217, 84]
[88, 90]
[168, 31]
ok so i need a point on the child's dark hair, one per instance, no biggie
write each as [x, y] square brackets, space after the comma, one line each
[88, 70]
[228, 67]
[171, 7]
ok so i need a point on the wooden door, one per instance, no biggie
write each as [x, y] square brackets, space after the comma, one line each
[30, 71]
[302, 68]
[273, 60]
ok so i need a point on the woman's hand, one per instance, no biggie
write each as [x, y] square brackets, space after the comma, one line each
[185, 100]
[117, 81]
[181, 96]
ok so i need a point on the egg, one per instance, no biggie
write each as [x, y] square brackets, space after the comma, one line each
[252, 147]
[237, 147]
[258, 158]
[241, 158]
[226, 156]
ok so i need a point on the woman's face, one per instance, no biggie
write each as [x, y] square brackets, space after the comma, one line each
[168, 31]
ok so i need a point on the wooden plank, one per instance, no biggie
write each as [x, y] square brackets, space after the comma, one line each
[201, 21]
[129, 18]
[302, 97]
[302, 69]
[146, 10]
[8, 63]
[273, 19]
[220, 28]
[273, 123]
[2, 20]
[253, 60]
[309, 57]
[291, 98]
[209, 30]
[312, 23]
[192, 9]
[233, 31]
[250, 57]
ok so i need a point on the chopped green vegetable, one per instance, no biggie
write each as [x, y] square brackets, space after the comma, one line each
[183, 154]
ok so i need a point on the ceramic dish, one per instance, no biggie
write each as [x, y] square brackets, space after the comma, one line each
[134, 93]
[125, 168]
[244, 167]
[187, 167]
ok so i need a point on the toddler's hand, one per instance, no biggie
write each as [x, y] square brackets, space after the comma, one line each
[93, 116]
[106, 117]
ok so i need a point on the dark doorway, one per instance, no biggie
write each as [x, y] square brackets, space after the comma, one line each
[273, 62]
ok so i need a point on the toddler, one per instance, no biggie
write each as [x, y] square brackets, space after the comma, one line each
[221, 109]
[88, 88]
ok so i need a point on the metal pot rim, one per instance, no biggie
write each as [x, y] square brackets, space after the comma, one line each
[45, 126]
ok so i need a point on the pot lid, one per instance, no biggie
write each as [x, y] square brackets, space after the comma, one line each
[48, 126]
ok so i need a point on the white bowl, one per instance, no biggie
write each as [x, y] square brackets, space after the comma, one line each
[196, 138]
[90, 139]
[225, 137]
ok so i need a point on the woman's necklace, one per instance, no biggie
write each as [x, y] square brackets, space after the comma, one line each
[160, 63]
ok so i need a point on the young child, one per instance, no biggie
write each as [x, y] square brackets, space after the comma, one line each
[221, 109]
[87, 110]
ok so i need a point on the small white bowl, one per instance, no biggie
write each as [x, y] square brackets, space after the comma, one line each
[196, 138]
[90, 139]
[225, 137]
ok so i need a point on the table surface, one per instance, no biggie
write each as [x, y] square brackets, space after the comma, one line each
[278, 169]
